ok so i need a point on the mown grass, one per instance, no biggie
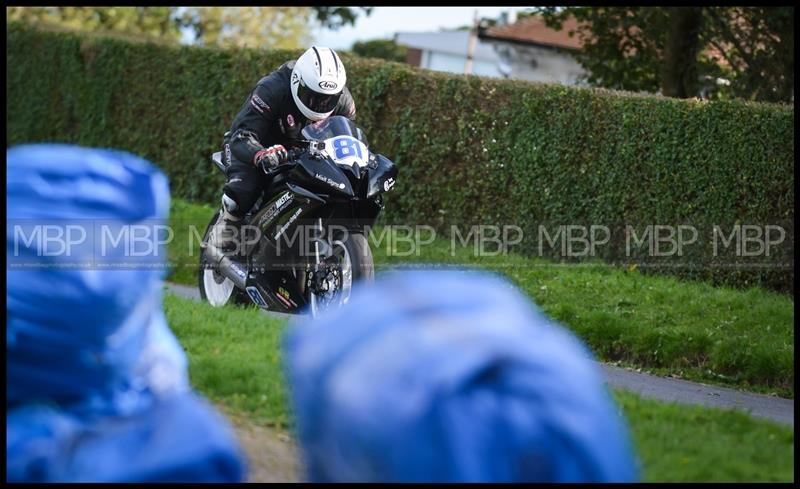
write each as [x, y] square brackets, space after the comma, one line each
[743, 338]
[679, 443]
[235, 360]
[188, 222]
[234, 356]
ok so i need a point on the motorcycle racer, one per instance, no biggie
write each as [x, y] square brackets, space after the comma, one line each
[299, 92]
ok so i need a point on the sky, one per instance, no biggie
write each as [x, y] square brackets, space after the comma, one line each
[383, 22]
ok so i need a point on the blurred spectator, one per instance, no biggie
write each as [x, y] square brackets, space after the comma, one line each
[97, 386]
[450, 376]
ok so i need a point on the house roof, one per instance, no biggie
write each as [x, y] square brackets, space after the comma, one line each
[533, 30]
[450, 42]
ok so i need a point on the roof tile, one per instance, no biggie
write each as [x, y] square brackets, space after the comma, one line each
[533, 30]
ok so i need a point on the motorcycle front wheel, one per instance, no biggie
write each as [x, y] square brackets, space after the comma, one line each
[353, 257]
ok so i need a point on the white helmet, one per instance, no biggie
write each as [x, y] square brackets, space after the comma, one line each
[318, 78]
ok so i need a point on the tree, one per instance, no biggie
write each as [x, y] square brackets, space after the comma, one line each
[757, 44]
[682, 42]
[679, 49]
[251, 27]
[380, 48]
[261, 27]
[336, 17]
[149, 22]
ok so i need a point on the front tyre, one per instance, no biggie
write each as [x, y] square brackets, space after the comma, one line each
[352, 263]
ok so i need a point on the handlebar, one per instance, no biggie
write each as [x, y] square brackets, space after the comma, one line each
[304, 145]
[294, 153]
[312, 147]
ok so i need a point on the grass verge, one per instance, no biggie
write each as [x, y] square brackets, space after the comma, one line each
[234, 359]
[691, 330]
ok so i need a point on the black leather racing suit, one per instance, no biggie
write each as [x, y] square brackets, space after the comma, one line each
[268, 116]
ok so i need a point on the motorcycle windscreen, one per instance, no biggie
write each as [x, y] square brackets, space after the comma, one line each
[334, 126]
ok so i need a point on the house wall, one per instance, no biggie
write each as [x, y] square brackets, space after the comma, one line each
[540, 64]
[455, 64]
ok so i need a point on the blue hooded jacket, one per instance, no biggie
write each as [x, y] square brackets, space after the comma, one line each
[450, 376]
[97, 386]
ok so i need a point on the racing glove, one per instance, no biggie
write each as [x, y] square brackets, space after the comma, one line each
[271, 157]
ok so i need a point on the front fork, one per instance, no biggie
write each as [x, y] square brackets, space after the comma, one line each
[320, 274]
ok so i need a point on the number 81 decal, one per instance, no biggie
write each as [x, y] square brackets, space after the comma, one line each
[346, 147]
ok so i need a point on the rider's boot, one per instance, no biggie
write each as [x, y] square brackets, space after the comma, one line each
[225, 233]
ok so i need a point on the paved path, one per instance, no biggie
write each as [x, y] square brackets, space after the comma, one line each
[682, 391]
[650, 386]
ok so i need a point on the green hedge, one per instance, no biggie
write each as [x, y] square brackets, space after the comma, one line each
[470, 150]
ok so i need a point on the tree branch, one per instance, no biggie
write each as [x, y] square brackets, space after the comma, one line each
[731, 37]
[730, 61]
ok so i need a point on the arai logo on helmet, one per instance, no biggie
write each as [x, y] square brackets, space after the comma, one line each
[327, 85]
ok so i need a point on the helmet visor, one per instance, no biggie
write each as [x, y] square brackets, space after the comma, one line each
[317, 102]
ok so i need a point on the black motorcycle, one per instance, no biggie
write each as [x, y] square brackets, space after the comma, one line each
[304, 242]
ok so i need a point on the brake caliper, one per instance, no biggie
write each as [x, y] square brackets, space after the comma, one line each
[325, 279]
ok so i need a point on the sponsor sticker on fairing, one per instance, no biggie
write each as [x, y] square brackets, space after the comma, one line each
[284, 294]
[288, 223]
[275, 209]
[329, 181]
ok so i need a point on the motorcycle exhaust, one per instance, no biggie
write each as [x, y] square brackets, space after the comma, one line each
[231, 269]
